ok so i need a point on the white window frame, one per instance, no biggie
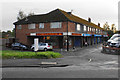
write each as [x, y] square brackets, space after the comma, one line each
[78, 27]
[31, 26]
[41, 25]
[19, 26]
[55, 24]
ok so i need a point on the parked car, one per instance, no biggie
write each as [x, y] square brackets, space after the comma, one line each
[43, 46]
[112, 38]
[19, 46]
[115, 42]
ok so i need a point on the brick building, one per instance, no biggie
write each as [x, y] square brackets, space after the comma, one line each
[57, 27]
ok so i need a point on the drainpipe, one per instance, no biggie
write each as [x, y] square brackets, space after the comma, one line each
[67, 38]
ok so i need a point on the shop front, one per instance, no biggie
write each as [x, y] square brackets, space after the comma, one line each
[57, 40]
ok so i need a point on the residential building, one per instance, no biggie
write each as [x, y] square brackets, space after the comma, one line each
[60, 28]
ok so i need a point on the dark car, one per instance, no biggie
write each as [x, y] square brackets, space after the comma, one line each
[19, 46]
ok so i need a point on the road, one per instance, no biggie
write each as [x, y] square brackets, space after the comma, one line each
[88, 62]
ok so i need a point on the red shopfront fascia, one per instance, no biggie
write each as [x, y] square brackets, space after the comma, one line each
[76, 34]
[44, 34]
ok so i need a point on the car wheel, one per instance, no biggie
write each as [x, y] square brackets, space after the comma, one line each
[32, 49]
[45, 49]
[12, 48]
[21, 49]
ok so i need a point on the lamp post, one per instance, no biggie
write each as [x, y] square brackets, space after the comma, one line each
[67, 38]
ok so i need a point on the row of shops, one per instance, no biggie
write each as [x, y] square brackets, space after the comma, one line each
[59, 40]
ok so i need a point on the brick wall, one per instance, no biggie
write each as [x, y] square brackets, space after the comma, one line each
[21, 33]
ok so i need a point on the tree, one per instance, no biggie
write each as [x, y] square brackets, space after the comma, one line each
[21, 15]
[113, 28]
[13, 32]
[106, 26]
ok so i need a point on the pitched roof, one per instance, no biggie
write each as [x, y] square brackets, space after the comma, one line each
[55, 16]
[52, 16]
[80, 20]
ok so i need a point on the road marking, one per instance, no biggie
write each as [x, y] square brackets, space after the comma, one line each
[111, 62]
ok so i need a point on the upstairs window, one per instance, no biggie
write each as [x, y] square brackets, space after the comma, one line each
[92, 29]
[31, 26]
[85, 28]
[88, 28]
[19, 27]
[41, 25]
[99, 31]
[56, 25]
[96, 30]
[78, 27]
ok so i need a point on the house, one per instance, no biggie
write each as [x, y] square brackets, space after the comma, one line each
[60, 28]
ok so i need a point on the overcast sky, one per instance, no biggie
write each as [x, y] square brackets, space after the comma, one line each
[98, 10]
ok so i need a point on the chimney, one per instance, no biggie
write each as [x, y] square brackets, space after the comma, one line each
[69, 12]
[99, 24]
[89, 19]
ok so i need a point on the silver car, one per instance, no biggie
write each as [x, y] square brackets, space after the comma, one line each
[43, 46]
[115, 42]
[112, 38]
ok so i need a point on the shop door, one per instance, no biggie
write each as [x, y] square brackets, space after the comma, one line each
[77, 42]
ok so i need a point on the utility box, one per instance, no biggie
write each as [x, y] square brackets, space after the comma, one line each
[36, 44]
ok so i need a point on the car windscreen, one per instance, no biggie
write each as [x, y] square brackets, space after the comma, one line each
[117, 39]
[49, 44]
[112, 38]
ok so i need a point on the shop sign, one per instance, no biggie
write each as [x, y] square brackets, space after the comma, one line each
[45, 34]
[86, 34]
[97, 35]
[105, 35]
[76, 34]
[33, 34]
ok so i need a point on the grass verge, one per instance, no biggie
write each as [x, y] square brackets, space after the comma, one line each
[7, 54]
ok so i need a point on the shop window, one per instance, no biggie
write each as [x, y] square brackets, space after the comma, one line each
[31, 26]
[41, 25]
[56, 25]
[78, 27]
[19, 27]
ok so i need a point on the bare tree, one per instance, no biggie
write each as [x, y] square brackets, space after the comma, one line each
[113, 28]
[21, 15]
[106, 26]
